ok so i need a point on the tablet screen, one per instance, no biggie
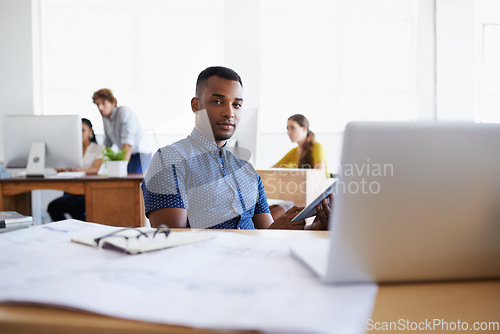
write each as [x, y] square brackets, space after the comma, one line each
[310, 210]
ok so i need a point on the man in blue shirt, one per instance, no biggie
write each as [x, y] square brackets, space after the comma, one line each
[196, 182]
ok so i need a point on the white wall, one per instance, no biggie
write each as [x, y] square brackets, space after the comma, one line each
[242, 53]
[426, 54]
[455, 62]
[242, 45]
[16, 59]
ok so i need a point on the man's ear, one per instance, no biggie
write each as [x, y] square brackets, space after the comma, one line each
[195, 104]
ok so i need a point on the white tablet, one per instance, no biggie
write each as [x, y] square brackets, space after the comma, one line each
[310, 210]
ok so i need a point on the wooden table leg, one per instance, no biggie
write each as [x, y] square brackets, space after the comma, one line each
[114, 203]
[20, 203]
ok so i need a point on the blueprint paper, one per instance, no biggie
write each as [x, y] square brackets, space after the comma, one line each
[233, 282]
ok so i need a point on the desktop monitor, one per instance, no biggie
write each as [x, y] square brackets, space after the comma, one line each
[49, 141]
[244, 143]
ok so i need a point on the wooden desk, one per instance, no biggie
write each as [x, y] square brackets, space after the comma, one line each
[475, 301]
[470, 302]
[110, 201]
[301, 186]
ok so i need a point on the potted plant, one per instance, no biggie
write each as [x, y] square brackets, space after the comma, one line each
[115, 162]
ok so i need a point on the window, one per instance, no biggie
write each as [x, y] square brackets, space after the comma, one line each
[332, 60]
[488, 104]
[141, 49]
[337, 61]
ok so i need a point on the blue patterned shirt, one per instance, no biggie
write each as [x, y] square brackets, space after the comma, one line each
[217, 189]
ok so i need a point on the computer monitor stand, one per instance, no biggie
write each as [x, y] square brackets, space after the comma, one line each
[36, 161]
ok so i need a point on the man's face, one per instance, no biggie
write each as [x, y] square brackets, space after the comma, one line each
[105, 107]
[222, 100]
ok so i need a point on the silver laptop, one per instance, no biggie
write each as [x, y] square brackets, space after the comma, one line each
[414, 202]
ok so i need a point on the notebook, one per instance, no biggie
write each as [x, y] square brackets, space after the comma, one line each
[414, 202]
[12, 220]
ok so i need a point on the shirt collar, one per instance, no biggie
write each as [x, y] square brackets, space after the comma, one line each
[205, 143]
[113, 113]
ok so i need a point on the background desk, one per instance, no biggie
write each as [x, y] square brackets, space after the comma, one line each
[301, 186]
[464, 301]
[111, 201]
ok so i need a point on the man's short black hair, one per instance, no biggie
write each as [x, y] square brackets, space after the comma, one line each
[219, 71]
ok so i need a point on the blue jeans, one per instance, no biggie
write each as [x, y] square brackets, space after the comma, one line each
[139, 163]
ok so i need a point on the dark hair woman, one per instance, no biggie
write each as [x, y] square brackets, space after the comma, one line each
[74, 205]
[309, 153]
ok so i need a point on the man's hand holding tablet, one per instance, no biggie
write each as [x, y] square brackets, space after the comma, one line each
[324, 210]
[320, 207]
[311, 209]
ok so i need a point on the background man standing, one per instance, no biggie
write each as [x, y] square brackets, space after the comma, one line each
[123, 129]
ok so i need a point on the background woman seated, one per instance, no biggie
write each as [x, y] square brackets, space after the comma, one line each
[309, 153]
[74, 205]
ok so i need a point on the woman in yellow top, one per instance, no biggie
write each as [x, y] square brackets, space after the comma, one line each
[308, 153]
